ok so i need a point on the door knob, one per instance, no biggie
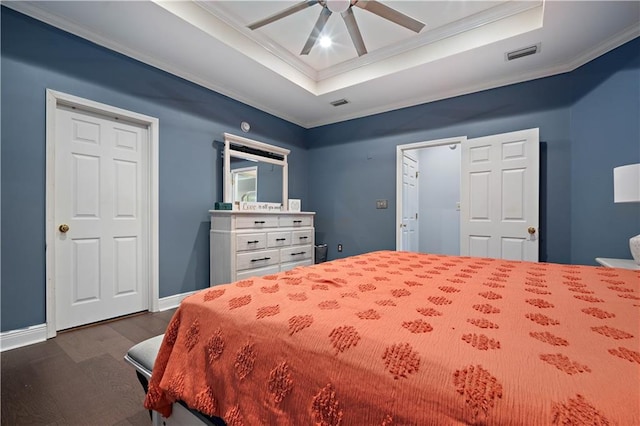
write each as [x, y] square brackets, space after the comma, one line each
[531, 230]
[63, 228]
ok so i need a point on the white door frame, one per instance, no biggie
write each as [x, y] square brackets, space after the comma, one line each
[54, 99]
[399, 154]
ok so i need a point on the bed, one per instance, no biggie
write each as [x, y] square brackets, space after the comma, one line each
[399, 338]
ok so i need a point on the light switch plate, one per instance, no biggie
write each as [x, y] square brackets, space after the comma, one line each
[381, 204]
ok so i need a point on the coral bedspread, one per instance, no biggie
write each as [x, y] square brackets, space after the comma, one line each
[398, 338]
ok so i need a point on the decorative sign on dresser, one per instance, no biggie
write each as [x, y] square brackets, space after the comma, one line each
[248, 243]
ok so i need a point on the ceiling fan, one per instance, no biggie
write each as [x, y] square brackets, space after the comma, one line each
[344, 7]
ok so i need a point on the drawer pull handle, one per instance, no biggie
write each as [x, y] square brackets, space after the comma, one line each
[281, 239]
[303, 238]
[296, 254]
[258, 222]
[259, 260]
[253, 242]
[297, 221]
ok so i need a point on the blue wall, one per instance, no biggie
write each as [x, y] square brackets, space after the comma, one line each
[605, 132]
[588, 122]
[345, 183]
[36, 57]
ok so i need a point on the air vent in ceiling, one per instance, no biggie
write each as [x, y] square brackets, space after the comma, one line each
[340, 102]
[521, 53]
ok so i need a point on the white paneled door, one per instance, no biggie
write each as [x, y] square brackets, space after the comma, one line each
[99, 196]
[409, 203]
[499, 186]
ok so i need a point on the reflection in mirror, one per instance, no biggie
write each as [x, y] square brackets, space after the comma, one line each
[270, 183]
[254, 171]
[248, 176]
[245, 183]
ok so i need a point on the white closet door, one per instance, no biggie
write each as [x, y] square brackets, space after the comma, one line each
[99, 194]
[500, 192]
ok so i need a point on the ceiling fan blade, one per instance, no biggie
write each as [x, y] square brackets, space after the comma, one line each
[390, 14]
[354, 31]
[286, 12]
[317, 30]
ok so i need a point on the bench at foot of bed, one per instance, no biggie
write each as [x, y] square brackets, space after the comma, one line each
[142, 357]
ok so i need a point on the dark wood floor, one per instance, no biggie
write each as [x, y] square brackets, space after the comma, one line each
[79, 377]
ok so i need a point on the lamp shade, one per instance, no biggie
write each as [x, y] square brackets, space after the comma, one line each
[626, 184]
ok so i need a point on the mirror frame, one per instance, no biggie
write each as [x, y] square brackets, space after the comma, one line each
[229, 152]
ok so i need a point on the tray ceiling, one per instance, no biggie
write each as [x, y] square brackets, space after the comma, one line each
[460, 50]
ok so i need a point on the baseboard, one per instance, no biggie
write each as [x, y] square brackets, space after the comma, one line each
[22, 337]
[38, 333]
[170, 302]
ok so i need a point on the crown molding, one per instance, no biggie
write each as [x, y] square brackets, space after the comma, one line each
[587, 56]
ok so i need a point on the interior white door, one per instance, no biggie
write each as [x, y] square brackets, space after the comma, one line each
[409, 203]
[499, 190]
[99, 194]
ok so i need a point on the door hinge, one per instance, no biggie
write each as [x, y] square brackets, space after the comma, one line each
[417, 173]
[416, 216]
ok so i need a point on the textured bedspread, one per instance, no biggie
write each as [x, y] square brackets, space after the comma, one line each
[397, 338]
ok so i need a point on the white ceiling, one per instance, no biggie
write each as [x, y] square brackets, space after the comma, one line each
[461, 49]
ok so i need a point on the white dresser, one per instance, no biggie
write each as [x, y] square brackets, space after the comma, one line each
[246, 244]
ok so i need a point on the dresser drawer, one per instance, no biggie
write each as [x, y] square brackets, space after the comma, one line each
[295, 253]
[251, 241]
[257, 221]
[257, 259]
[278, 239]
[294, 221]
[302, 237]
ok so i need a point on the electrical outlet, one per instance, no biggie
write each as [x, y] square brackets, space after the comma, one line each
[339, 247]
[381, 204]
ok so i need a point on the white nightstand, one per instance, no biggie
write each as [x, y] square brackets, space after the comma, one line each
[618, 263]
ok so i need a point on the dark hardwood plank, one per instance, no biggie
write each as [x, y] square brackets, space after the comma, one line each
[29, 354]
[25, 402]
[86, 343]
[117, 382]
[140, 328]
[79, 377]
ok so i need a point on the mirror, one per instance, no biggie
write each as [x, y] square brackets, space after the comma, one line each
[255, 181]
[254, 171]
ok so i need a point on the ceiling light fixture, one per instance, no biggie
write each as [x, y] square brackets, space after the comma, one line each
[338, 6]
[325, 41]
[344, 8]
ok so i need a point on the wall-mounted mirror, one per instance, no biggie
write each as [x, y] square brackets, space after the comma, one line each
[254, 171]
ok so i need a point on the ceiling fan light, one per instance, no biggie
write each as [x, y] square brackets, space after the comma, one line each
[325, 41]
[338, 6]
